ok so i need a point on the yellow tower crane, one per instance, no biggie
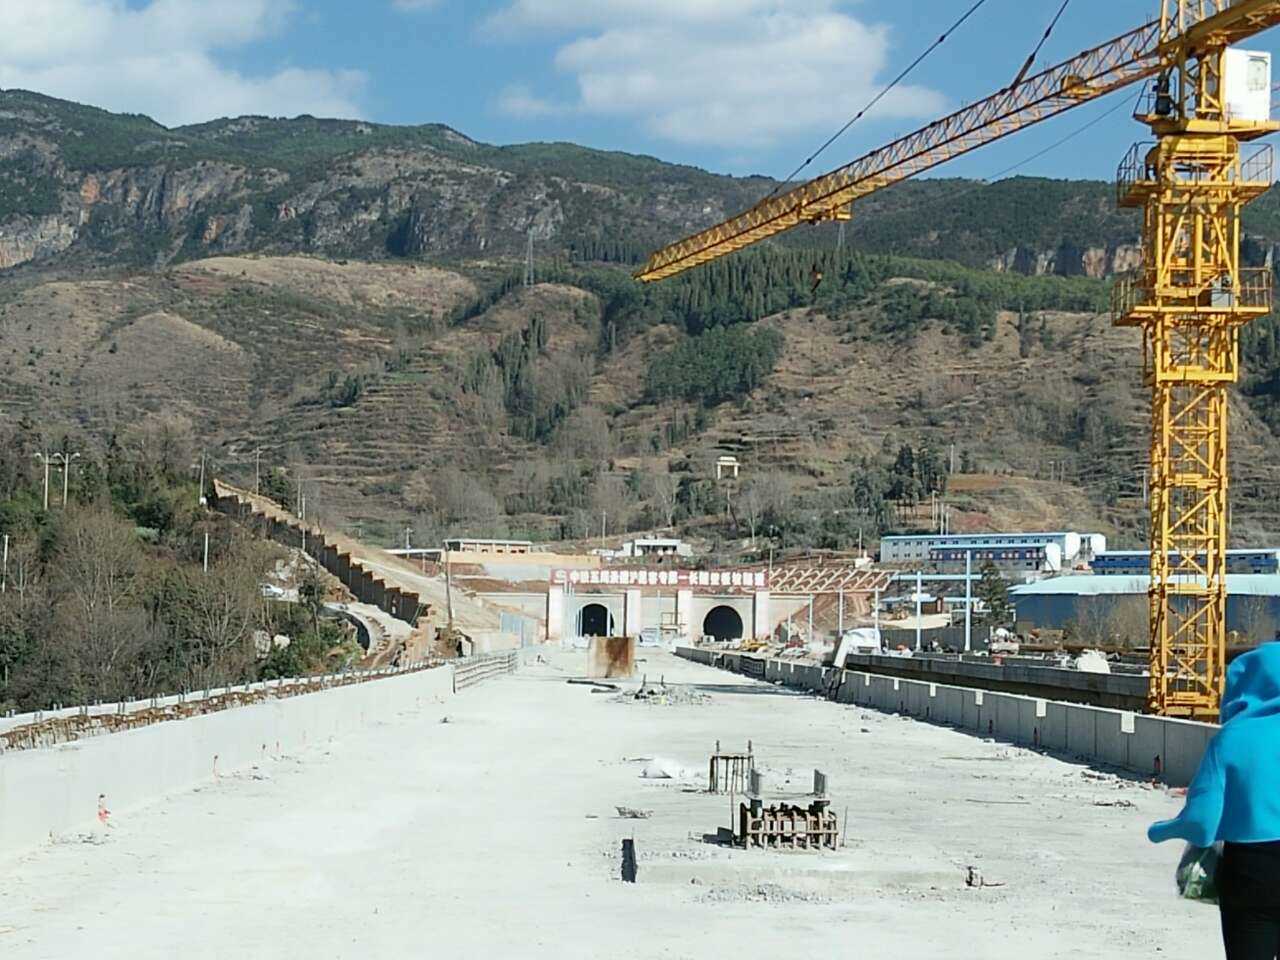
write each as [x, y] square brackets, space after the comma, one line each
[1190, 297]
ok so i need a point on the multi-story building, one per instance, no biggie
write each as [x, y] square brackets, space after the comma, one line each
[1138, 562]
[1049, 552]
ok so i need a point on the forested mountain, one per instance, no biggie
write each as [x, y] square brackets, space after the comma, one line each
[81, 186]
[348, 300]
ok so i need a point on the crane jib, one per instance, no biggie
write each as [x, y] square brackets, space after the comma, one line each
[1134, 56]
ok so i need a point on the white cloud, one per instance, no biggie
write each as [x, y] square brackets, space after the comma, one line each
[161, 59]
[518, 101]
[734, 73]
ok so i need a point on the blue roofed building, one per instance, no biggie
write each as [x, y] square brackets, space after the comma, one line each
[1116, 604]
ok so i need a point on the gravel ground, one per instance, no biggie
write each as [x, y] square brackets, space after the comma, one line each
[498, 834]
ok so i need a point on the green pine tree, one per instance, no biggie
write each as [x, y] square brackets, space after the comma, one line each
[993, 591]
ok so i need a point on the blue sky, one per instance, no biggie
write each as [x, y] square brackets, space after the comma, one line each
[737, 86]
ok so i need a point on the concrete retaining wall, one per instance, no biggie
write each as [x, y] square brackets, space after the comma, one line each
[54, 791]
[402, 604]
[1119, 691]
[1145, 745]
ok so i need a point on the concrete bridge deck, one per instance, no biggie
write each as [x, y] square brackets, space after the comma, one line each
[496, 835]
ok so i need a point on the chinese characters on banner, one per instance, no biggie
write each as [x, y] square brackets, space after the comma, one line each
[686, 579]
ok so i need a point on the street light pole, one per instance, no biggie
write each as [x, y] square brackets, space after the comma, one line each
[919, 613]
[968, 600]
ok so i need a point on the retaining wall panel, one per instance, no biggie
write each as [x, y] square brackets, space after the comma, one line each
[915, 694]
[952, 705]
[883, 695]
[1184, 744]
[1029, 720]
[1053, 729]
[971, 711]
[1008, 717]
[1082, 730]
[1113, 742]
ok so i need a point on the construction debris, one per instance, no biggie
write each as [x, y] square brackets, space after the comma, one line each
[664, 694]
[631, 813]
[973, 878]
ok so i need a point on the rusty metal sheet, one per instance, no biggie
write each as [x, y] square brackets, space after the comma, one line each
[609, 657]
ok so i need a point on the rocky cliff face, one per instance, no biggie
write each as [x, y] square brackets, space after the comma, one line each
[1068, 260]
[78, 184]
[82, 185]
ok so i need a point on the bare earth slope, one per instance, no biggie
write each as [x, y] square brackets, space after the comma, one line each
[348, 372]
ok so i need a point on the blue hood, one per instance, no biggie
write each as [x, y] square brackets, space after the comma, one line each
[1235, 795]
[1253, 684]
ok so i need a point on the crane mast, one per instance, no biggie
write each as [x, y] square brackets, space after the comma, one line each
[1190, 298]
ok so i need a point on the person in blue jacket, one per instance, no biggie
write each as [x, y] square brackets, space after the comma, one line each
[1235, 798]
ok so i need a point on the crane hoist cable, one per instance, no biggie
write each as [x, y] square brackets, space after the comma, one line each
[1026, 67]
[879, 96]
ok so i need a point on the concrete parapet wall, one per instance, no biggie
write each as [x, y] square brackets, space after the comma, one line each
[1122, 691]
[1144, 745]
[53, 792]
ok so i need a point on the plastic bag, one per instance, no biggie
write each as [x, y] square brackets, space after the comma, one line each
[1197, 873]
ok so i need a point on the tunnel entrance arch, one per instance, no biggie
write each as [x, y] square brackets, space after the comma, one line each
[722, 622]
[595, 620]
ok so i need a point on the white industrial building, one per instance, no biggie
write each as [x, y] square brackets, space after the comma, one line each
[1048, 552]
[652, 548]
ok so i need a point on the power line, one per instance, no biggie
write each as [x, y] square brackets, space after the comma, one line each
[880, 96]
[991, 178]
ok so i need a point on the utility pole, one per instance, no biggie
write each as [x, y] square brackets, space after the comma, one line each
[257, 472]
[448, 586]
[66, 475]
[875, 613]
[206, 551]
[45, 460]
[407, 531]
[603, 527]
[200, 494]
[4, 578]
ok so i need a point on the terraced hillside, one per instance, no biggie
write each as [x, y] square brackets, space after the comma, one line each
[364, 383]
